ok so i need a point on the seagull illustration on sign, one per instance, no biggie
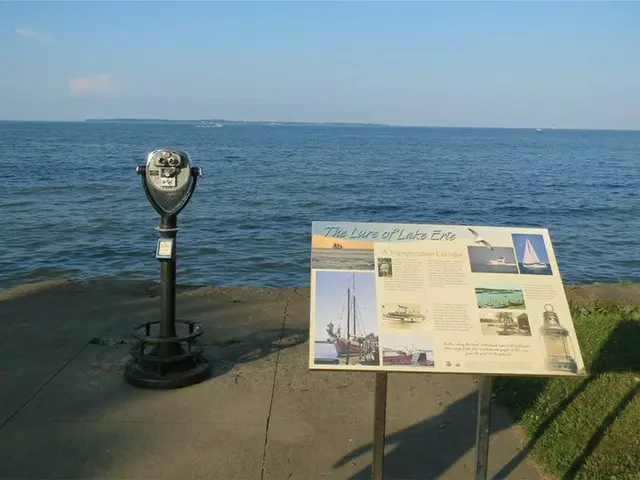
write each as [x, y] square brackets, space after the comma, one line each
[478, 239]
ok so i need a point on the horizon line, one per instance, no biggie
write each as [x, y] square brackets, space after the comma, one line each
[290, 122]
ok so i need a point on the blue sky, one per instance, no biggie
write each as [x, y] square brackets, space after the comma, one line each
[513, 64]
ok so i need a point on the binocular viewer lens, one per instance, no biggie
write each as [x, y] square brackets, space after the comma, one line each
[168, 160]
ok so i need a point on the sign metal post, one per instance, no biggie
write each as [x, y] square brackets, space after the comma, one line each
[379, 425]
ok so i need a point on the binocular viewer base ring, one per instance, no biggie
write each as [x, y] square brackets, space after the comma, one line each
[192, 373]
[166, 362]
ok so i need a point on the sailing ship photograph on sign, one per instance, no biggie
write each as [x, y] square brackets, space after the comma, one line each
[345, 319]
[532, 254]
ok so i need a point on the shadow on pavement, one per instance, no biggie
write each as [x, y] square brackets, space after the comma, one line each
[68, 413]
[428, 449]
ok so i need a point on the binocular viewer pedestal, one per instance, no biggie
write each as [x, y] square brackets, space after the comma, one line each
[166, 353]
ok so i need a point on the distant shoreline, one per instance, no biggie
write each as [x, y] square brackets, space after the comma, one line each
[325, 124]
[230, 122]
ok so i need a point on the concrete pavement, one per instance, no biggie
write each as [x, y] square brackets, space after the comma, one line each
[66, 412]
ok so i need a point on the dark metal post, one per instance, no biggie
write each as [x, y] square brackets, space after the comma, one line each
[379, 425]
[172, 360]
[348, 325]
[483, 427]
[168, 229]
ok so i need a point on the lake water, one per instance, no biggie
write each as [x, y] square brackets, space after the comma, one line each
[74, 207]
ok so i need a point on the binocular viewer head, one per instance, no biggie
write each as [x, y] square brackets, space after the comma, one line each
[169, 180]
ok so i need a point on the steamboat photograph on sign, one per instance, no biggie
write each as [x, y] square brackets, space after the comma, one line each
[409, 317]
[439, 299]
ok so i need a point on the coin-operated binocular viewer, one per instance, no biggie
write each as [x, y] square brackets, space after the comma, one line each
[166, 353]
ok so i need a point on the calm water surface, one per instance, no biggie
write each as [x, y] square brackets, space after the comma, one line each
[74, 206]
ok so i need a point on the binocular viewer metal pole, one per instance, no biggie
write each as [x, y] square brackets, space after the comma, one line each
[163, 355]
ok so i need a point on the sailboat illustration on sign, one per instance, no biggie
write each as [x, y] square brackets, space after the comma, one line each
[530, 259]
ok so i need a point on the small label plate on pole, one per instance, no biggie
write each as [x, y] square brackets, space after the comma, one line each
[165, 249]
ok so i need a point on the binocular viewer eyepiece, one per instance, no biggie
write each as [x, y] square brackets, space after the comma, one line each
[168, 159]
[169, 180]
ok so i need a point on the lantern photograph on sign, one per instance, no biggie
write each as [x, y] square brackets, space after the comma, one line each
[557, 343]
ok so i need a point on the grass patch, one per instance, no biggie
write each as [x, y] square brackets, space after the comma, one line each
[586, 428]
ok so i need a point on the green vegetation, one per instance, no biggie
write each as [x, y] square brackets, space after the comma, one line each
[587, 428]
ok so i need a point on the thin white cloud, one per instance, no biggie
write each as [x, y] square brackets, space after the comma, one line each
[32, 34]
[100, 83]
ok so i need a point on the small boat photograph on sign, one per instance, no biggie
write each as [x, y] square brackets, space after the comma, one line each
[396, 351]
[496, 260]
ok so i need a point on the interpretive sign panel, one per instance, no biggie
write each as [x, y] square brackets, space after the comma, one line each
[439, 298]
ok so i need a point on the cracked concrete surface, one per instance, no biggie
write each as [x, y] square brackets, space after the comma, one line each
[66, 411]
[273, 392]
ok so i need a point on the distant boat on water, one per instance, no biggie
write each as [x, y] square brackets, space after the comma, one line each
[204, 124]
